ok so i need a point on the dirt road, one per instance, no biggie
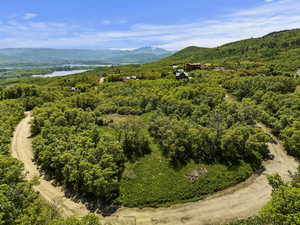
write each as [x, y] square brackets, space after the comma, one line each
[241, 201]
[22, 150]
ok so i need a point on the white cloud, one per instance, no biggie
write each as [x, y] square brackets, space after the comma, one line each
[113, 22]
[105, 22]
[254, 22]
[29, 16]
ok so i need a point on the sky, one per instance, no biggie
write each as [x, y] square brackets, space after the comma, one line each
[121, 24]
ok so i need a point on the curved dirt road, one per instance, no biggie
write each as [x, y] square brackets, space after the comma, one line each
[21, 149]
[241, 201]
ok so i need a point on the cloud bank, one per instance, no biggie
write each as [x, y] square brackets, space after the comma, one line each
[270, 16]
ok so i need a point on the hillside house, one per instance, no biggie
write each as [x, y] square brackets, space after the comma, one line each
[181, 74]
[197, 66]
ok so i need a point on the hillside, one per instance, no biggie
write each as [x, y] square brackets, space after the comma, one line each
[105, 56]
[281, 48]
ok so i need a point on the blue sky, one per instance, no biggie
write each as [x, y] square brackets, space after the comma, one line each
[120, 24]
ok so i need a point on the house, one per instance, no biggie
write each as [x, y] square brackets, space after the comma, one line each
[197, 66]
[181, 74]
[193, 66]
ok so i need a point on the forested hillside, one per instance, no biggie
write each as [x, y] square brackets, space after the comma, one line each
[279, 48]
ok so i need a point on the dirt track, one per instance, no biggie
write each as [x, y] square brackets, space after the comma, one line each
[22, 150]
[241, 201]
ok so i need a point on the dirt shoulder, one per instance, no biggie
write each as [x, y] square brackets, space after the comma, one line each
[240, 201]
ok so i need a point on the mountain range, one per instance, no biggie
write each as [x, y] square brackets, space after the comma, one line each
[59, 56]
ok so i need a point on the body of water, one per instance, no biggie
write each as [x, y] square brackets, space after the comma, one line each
[86, 65]
[60, 73]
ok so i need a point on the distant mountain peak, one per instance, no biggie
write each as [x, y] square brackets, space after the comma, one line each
[152, 50]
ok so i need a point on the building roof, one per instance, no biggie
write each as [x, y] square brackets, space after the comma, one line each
[195, 64]
[199, 64]
[178, 74]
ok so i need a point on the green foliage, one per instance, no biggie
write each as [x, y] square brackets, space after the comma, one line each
[291, 137]
[133, 139]
[87, 220]
[152, 181]
[11, 111]
[284, 208]
[30, 95]
[183, 141]
[243, 87]
[71, 149]
[275, 181]
[244, 143]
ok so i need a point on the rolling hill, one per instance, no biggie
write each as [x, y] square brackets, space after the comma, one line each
[281, 48]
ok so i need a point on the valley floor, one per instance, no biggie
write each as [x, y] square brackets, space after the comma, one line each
[240, 201]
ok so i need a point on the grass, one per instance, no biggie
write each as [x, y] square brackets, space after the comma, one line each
[153, 182]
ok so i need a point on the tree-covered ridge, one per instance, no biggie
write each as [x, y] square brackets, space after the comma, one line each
[280, 48]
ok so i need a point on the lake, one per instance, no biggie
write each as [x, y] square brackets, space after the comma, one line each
[60, 73]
